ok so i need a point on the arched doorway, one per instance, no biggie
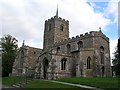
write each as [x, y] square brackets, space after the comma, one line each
[45, 68]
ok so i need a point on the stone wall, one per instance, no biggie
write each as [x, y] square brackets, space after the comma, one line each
[56, 29]
[75, 51]
[26, 60]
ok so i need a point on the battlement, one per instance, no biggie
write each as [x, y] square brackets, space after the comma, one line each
[83, 36]
[89, 34]
[58, 18]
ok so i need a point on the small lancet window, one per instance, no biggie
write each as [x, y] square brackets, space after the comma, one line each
[58, 49]
[61, 27]
[102, 54]
[63, 64]
[88, 63]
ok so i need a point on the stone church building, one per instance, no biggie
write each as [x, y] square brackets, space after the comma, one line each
[85, 55]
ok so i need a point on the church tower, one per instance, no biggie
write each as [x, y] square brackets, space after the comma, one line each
[56, 29]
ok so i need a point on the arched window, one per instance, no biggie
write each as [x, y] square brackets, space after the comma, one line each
[61, 27]
[80, 44]
[63, 64]
[68, 48]
[88, 63]
[102, 54]
[58, 49]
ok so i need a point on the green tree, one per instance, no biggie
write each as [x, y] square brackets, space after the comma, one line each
[9, 50]
[115, 61]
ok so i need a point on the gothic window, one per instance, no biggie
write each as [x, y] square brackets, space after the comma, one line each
[68, 48]
[61, 27]
[63, 64]
[102, 54]
[49, 27]
[80, 44]
[88, 63]
[58, 49]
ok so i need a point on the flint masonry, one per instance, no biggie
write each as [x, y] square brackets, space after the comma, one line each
[85, 55]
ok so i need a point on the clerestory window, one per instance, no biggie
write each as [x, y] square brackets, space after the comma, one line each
[68, 48]
[80, 44]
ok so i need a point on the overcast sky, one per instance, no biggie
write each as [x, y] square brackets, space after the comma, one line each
[24, 19]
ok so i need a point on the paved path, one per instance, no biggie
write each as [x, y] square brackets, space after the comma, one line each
[78, 85]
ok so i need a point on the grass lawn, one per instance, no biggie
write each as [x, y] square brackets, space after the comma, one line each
[107, 83]
[9, 81]
[100, 82]
[47, 84]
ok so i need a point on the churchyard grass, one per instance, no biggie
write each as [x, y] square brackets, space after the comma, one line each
[48, 84]
[107, 83]
[9, 81]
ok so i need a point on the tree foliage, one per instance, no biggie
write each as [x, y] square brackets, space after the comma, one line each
[116, 62]
[9, 50]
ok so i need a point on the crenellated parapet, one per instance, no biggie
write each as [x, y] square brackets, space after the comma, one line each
[57, 18]
[82, 37]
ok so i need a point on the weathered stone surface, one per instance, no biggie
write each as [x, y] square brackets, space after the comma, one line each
[26, 61]
[62, 56]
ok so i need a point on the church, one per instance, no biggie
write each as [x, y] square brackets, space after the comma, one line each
[85, 55]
